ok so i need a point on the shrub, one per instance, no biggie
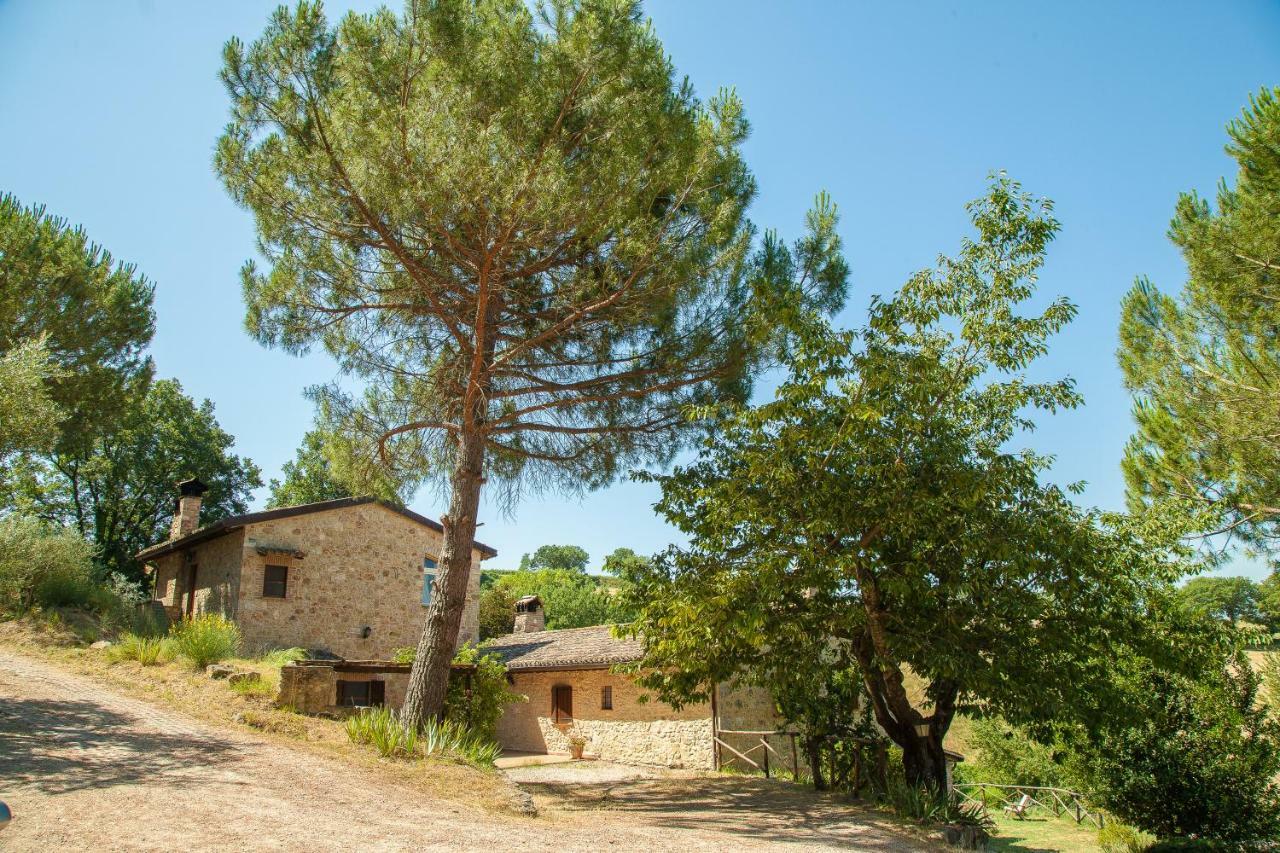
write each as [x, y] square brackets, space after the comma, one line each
[147, 651]
[1008, 756]
[206, 639]
[379, 728]
[41, 564]
[404, 655]
[479, 712]
[1118, 837]
[452, 739]
[930, 805]
[1202, 761]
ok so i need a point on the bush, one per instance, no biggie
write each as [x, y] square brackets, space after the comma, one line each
[147, 651]
[1007, 756]
[929, 805]
[1202, 761]
[1117, 837]
[206, 639]
[43, 565]
[379, 728]
[490, 694]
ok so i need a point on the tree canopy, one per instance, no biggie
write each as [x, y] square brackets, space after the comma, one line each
[119, 490]
[93, 315]
[1230, 599]
[519, 231]
[29, 418]
[874, 501]
[1204, 365]
[566, 557]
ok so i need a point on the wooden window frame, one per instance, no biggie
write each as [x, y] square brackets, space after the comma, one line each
[268, 582]
[562, 711]
[374, 693]
[606, 698]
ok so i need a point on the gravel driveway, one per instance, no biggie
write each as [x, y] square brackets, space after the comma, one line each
[86, 768]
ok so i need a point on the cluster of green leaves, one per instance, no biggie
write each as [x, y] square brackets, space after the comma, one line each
[29, 418]
[1006, 755]
[117, 487]
[569, 558]
[874, 501]
[1200, 757]
[1203, 365]
[324, 469]
[1233, 599]
[570, 599]
[42, 565]
[477, 705]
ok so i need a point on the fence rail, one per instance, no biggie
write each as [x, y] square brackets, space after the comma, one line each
[1057, 800]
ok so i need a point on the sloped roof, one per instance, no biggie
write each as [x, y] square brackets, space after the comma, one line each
[566, 648]
[235, 522]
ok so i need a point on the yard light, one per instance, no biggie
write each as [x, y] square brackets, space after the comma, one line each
[922, 729]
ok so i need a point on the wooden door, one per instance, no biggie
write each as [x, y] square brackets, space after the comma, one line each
[562, 703]
[191, 591]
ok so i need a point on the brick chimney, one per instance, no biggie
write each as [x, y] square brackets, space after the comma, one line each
[186, 515]
[529, 615]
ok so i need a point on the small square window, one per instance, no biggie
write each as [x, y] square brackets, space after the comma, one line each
[606, 698]
[275, 581]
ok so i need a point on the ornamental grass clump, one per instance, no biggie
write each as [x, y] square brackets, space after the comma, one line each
[379, 728]
[206, 639]
[147, 651]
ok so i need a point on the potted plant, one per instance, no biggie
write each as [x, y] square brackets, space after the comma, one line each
[577, 743]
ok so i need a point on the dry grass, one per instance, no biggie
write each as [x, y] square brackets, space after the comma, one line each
[175, 685]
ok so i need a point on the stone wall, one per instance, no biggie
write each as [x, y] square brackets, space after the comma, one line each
[743, 708]
[217, 577]
[633, 732]
[361, 567]
[313, 689]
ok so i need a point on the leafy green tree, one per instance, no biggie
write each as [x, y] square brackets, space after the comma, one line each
[1204, 365]
[35, 556]
[571, 599]
[874, 501]
[119, 493]
[1007, 755]
[93, 315]
[1268, 600]
[497, 611]
[519, 232]
[622, 561]
[569, 558]
[307, 477]
[1231, 599]
[1198, 757]
[29, 418]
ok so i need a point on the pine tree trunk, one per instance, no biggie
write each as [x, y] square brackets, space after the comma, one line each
[429, 677]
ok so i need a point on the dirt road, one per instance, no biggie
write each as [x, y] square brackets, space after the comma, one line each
[85, 768]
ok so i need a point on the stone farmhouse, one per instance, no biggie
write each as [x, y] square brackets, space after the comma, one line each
[349, 577]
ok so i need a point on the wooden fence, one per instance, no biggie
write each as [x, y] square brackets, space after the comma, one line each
[763, 745]
[1059, 801]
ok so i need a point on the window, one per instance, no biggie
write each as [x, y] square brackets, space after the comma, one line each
[361, 694]
[428, 578]
[562, 703]
[606, 698]
[275, 579]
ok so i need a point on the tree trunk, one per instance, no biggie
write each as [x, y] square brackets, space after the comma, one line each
[924, 762]
[813, 749]
[429, 677]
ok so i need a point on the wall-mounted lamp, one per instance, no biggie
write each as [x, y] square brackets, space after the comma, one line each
[365, 632]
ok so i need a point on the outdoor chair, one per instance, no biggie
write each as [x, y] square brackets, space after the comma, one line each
[1019, 810]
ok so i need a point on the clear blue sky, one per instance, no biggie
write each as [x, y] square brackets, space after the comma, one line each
[109, 111]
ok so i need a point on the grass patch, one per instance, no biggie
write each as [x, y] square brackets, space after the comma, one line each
[1042, 833]
[260, 687]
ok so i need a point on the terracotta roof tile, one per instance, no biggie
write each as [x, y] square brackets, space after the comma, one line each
[566, 648]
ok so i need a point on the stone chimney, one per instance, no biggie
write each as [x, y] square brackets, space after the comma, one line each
[186, 515]
[529, 615]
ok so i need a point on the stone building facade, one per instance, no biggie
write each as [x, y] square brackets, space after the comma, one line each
[568, 678]
[345, 577]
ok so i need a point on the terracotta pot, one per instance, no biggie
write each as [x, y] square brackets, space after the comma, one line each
[575, 749]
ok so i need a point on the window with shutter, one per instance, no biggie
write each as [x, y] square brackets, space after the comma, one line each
[606, 698]
[428, 579]
[362, 694]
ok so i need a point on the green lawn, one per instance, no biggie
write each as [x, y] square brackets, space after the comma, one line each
[1043, 833]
